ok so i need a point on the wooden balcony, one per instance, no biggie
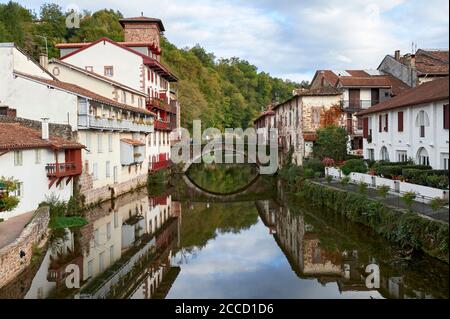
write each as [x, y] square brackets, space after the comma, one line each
[155, 103]
[161, 125]
[56, 172]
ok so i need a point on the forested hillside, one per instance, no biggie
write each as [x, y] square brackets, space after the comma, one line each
[220, 92]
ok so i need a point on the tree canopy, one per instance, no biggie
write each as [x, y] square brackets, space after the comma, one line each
[331, 142]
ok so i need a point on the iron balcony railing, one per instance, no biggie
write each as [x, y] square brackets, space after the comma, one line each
[357, 105]
[90, 121]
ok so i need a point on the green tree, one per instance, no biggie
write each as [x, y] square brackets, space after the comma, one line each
[331, 142]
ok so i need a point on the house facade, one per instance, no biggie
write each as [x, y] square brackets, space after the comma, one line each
[136, 63]
[44, 166]
[360, 89]
[413, 125]
[263, 124]
[415, 69]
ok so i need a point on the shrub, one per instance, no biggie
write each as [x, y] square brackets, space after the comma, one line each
[408, 199]
[428, 177]
[345, 180]
[437, 203]
[317, 175]
[314, 164]
[308, 173]
[354, 166]
[352, 157]
[362, 188]
[328, 162]
[329, 179]
[383, 190]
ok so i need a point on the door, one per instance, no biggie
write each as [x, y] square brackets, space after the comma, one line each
[354, 96]
[375, 94]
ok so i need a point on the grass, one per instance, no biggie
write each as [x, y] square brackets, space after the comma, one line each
[68, 222]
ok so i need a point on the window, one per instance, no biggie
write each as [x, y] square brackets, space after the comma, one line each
[96, 237]
[100, 143]
[95, 171]
[110, 143]
[444, 161]
[19, 190]
[116, 219]
[109, 71]
[124, 97]
[101, 261]
[386, 122]
[422, 157]
[108, 169]
[111, 255]
[90, 269]
[37, 156]
[140, 102]
[18, 158]
[422, 121]
[446, 117]
[108, 231]
[400, 121]
[132, 98]
[316, 115]
[371, 154]
[89, 68]
[88, 141]
[402, 156]
[384, 154]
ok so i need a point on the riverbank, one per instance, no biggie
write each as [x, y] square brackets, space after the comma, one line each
[401, 226]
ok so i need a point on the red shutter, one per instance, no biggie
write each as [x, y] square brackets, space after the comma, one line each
[380, 120]
[400, 121]
[386, 128]
[446, 117]
[366, 127]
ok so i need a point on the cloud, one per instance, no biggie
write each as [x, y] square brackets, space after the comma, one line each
[290, 38]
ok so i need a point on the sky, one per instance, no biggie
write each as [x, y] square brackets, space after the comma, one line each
[288, 38]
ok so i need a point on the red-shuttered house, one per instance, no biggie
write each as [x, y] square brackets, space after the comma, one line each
[43, 166]
[413, 125]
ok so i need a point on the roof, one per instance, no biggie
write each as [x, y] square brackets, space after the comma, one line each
[75, 89]
[132, 142]
[78, 45]
[432, 91]
[96, 75]
[321, 91]
[15, 136]
[264, 114]
[143, 19]
[146, 59]
[428, 62]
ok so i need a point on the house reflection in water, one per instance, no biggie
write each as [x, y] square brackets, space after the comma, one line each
[302, 244]
[125, 251]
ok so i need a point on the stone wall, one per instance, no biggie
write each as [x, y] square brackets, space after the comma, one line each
[16, 257]
[61, 130]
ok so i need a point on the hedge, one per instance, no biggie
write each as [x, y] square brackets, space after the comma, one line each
[407, 229]
[396, 170]
[431, 178]
[354, 165]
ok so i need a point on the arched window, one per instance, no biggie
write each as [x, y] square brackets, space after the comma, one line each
[422, 121]
[422, 157]
[384, 154]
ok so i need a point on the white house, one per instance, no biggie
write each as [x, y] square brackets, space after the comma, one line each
[136, 63]
[104, 125]
[44, 166]
[413, 125]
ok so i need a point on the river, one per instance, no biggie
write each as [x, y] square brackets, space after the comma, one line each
[181, 243]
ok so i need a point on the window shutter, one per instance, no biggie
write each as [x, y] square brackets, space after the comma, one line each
[446, 117]
[380, 120]
[366, 127]
[400, 121]
[386, 128]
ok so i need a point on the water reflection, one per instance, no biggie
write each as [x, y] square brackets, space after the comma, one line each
[142, 246]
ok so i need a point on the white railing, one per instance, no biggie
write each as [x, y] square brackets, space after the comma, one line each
[89, 121]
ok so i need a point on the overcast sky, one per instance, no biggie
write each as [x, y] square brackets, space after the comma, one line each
[291, 39]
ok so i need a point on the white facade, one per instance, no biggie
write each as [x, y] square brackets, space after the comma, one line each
[431, 148]
[28, 168]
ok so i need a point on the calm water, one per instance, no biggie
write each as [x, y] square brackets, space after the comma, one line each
[179, 245]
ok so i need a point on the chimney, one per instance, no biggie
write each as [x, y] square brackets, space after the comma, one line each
[413, 61]
[43, 60]
[45, 130]
[142, 29]
[397, 55]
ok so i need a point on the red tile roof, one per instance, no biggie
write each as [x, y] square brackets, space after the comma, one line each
[264, 114]
[143, 20]
[432, 91]
[321, 91]
[367, 81]
[14, 136]
[431, 62]
[84, 93]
